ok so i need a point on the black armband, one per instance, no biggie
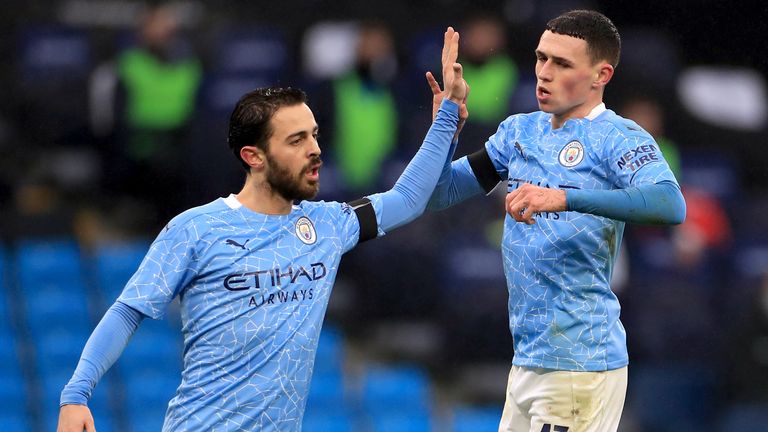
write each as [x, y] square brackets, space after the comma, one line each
[366, 216]
[485, 172]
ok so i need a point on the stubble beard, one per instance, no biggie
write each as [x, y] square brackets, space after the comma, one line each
[292, 187]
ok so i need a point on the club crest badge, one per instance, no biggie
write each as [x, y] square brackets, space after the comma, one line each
[572, 154]
[305, 231]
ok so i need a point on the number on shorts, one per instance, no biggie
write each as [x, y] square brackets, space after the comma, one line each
[548, 428]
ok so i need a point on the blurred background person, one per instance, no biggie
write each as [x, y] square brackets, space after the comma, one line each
[492, 73]
[144, 115]
[362, 123]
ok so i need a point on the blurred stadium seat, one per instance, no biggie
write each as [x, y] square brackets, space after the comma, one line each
[13, 387]
[115, 263]
[339, 420]
[15, 421]
[54, 260]
[396, 388]
[393, 421]
[474, 419]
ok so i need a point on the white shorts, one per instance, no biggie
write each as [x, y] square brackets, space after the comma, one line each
[545, 400]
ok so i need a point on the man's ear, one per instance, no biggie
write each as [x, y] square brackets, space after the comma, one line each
[603, 75]
[253, 156]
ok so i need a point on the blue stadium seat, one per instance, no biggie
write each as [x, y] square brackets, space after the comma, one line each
[52, 307]
[338, 420]
[148, 389]
[59, 349]
[325, 392]
[398, 421]
[13, 387]
[8, 354]
[403, 389]
[149, 419]
[116, 263]
[330, 351]
[16, 421]
[50, 261]
[158, 350]
[472, 419]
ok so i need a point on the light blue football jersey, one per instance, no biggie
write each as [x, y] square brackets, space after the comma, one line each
[562, 312]
[253, 290]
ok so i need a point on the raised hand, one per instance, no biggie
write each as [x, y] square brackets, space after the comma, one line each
[456, 88]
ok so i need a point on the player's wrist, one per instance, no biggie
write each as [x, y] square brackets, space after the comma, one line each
[451, 105]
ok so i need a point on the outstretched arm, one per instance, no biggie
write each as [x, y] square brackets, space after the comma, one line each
[653, 203]
[103, 348]
[408, 198]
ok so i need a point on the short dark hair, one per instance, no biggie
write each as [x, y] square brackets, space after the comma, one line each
[603, 40]
[249, 124]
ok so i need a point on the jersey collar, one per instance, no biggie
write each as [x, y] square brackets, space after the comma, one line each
[596, 111]
[232, 202]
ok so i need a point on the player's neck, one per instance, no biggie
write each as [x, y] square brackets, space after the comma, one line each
[579, 111]
[260, 197]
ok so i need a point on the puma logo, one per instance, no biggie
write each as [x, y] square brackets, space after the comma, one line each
[520, 149]
[234, 243]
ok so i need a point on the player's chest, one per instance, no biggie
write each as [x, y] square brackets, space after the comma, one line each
[275, 254]
[555, 160]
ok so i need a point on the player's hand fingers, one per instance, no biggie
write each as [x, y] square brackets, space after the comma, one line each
[458, 72]
[433, 85]
[453, 49]
[515, 209]
[451, 55]
[517, 205]
[447, 36]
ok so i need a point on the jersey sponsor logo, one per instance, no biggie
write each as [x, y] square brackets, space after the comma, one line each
[572, 154]
[305, 230]
[638, 157]
[281, 297]
[236, 244]
[274, 277]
